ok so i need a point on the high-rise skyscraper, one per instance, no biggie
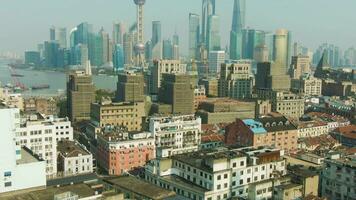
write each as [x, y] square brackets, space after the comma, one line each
[208, 9]
[128, 48]
[106, 46]
[118, 31]
[194, 32]
[213, 36]
[216, 58]
[118, 58]
[167, 49]
[282, 47]
[238, 24]
[251, 38]
[51, 49]
[59, 35]
[156, 41]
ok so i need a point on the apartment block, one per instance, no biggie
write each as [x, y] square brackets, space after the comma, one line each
[308, 85]
[119, 151]
[338, 178]
[175, 134]
[199, 96]
[312, 129]
[216, 173]
[126, 114]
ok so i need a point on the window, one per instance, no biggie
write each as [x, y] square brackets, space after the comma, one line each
[241, 172]
[233, 164]
[7, 174]
[225, 185]
[225, 176]
[256, 169]
[242, 163]
[218, 187]
[233, 174]
[233, 183]
[241, 182]
[248, 180]
[219, 177]
[8, 184]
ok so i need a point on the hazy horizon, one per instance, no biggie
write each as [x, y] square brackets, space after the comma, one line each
[313, 22]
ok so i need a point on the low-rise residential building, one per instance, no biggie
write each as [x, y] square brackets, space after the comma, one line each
[40, 134]
[346, 135]
[211, 141]
[225, 110]
[20, 169]
[175, 134]
[199, 96]
[289, 191]
[73, 159]
[338, 178]
[119, 151]
[216, 173]
[127, 114]
[333, 121]
[272, 130]
[322, 142]
[312, 128]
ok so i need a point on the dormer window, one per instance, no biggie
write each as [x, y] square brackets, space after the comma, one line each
[274, 124]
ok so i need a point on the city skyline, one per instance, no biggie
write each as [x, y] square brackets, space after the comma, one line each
[312, 17]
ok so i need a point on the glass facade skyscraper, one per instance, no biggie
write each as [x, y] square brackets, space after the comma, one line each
[214, 33]
[208, 9]
[194, 32]
[238, 24]
[118, 58]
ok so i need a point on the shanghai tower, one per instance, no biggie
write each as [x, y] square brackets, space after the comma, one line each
[238, 24]
[208, 9]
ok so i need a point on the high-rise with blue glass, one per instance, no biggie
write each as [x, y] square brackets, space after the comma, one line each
[118, 58]
[238, 24]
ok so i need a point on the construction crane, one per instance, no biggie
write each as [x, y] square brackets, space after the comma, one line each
[15, 79]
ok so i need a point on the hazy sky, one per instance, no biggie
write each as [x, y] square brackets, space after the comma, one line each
[25, 23]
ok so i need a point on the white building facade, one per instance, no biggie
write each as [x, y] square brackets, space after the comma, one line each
[175, 134]
[19, 169]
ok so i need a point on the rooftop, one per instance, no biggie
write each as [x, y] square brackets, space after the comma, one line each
[117, 134]
[184, 183]
[82, 190]
[255, 126]
[205, 138]
[71, 149]
[347, 131]
[141, 188]
[27, 157]
[274, 123]
[288, 186]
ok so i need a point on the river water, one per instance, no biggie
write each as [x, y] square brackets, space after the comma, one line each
[56, 80]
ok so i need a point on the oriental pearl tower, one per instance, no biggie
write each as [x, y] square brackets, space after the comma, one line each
[140, 47]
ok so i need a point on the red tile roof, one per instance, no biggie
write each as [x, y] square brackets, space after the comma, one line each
[212, 138]
[347, 131]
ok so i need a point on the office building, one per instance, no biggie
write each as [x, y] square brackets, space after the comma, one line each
[282, 48]
[80, 94]
[60, 35]
[211, 86]
[118, 33]
[126, 114]
[161, 67]
[177, 90]
[130, 87]
[224, 110]
[270, 130]
[216, 58]
[236, 80]
[216, 173]
[120, 152]
[167, 49]
[128, 48]
[175, 134]
[51, 49]
[194, 35]
[308, 85]
[238, 24]
[251, 39]
[261, 54]
[208, 9]
[156, 40]
[331, 53]
[284, 102]
[20, 169]
[32, 58]
[80, 54]
[73, 159]
[300, 65]
[118, 58]
[175, 52]
[46, 106]
[336, 178]
[213, 34]
[272, 76]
